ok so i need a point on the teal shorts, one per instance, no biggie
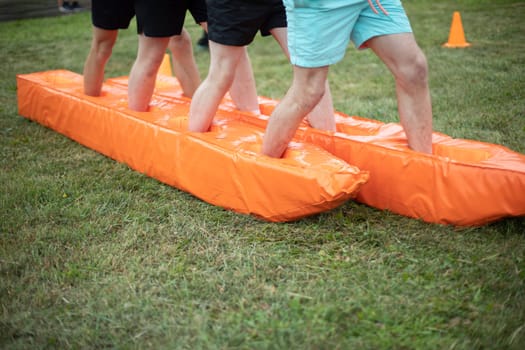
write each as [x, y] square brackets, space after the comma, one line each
[319, 30]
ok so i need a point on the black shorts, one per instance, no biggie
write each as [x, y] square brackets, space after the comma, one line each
[112, 14]
[236, 22]
[162, 18]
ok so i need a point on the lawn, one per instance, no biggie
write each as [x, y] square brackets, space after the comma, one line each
[96, 255]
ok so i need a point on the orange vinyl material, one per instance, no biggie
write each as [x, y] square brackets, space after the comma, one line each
[223, 167]
[463, 183]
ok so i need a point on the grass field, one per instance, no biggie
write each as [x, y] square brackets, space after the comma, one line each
[96, 255]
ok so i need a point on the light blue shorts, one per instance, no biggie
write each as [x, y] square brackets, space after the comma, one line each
[319, 30]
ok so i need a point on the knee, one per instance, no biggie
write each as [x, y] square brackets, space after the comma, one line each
[223, 79]
[309, 94]
[221, 73]
[415, 72]
[180, 42]
[149, 64]
[314, 94]
[420, 68]
[102, 49]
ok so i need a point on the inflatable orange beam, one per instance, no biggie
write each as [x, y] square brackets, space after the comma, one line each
[223, 167]
[464, 182]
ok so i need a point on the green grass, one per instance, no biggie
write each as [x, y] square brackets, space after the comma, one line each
[93, 254]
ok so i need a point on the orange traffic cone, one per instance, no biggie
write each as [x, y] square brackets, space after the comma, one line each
[456, 37]
[165, 66]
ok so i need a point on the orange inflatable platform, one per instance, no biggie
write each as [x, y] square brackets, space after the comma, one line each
[463, 183]
[223, 167]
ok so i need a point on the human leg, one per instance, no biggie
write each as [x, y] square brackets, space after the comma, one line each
[107, 17]
[388, 33]
[308, 87]
[156, 23]
[206, 100]
[235, 23]
[318, 35]
[243, 90]
[184, 65]
[143, 73]
[322, 115]
[99, 54]
[408, 64]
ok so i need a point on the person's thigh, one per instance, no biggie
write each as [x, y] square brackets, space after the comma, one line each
[397, 51]
[104, 36]
[223, 60]
[281, 36]
[151, 49]
[371, 24]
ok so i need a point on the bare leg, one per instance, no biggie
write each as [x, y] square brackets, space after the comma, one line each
[408, 64]
[308, 87]
[144, 71]
[184, 65]
[243, 89]
[322, 116]
[99, 54]
[223, 61]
